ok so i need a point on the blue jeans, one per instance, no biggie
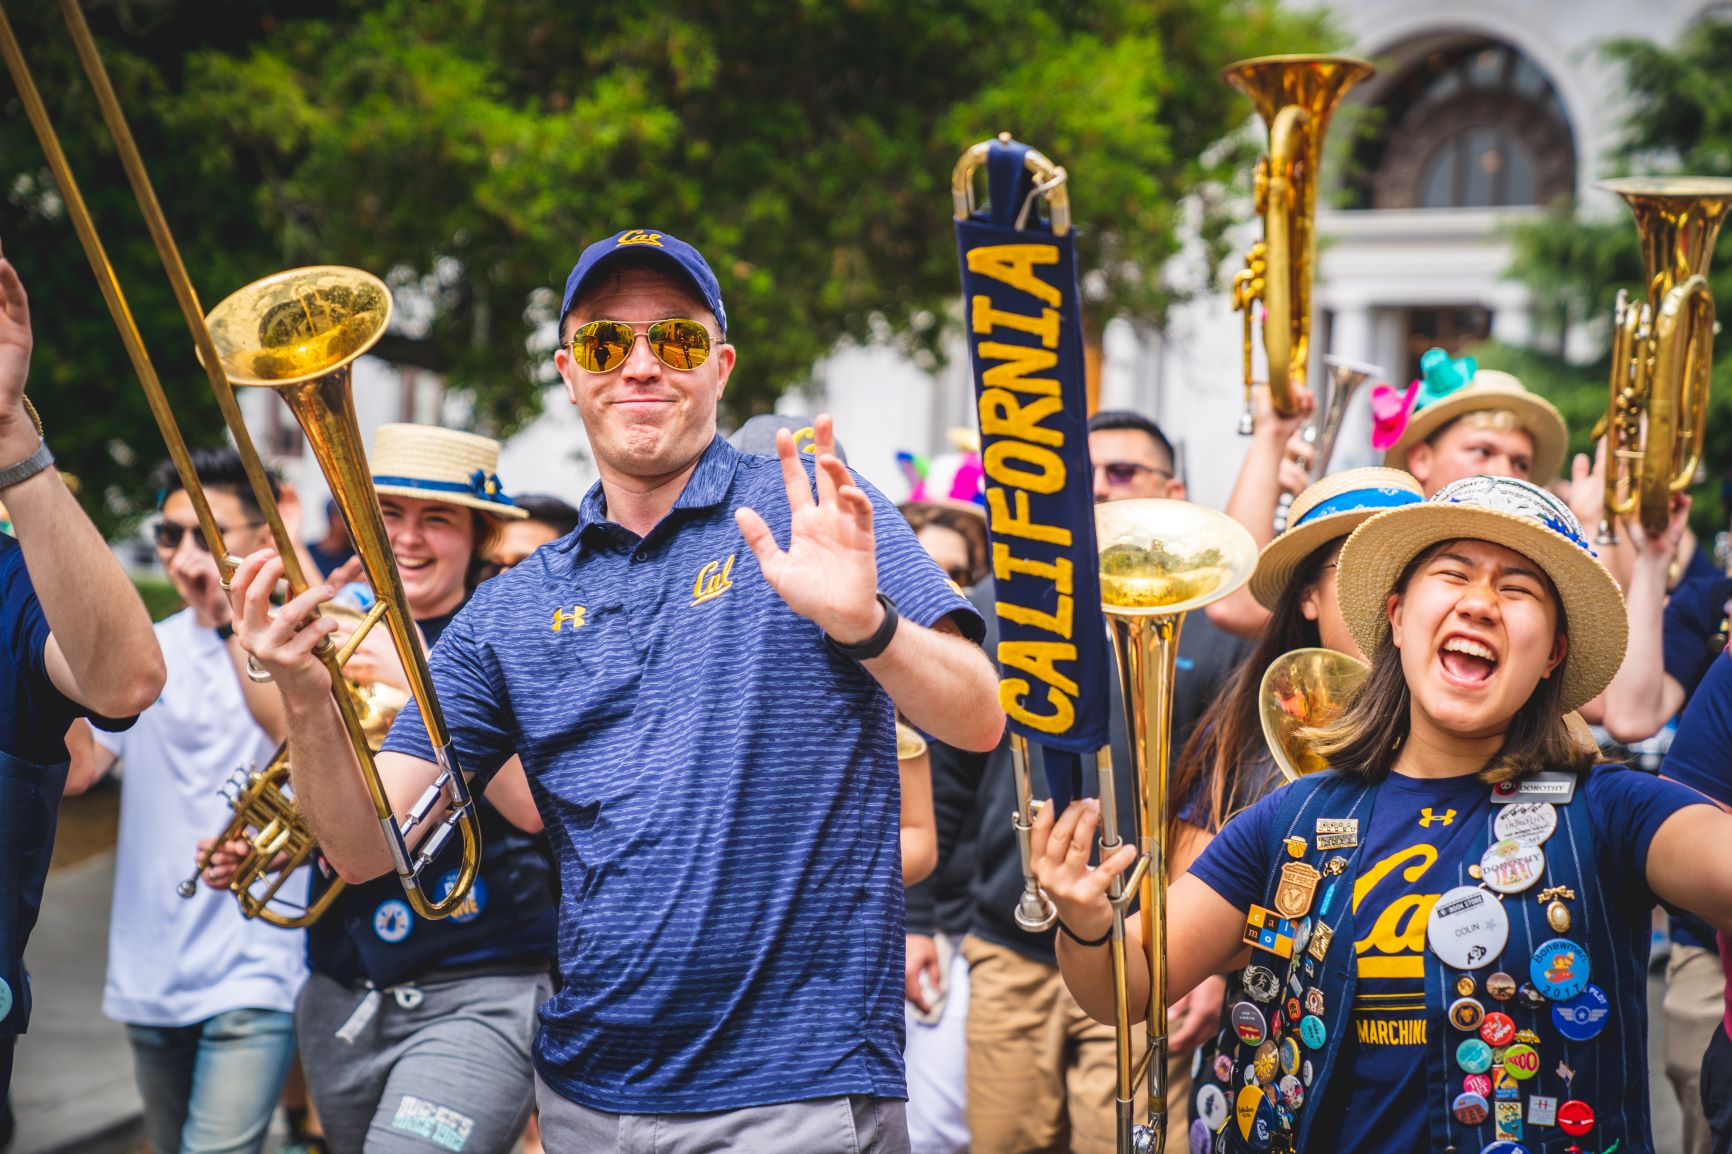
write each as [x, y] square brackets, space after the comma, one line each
[210, 1088]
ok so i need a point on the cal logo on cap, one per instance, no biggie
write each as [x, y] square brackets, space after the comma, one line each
[639, 236]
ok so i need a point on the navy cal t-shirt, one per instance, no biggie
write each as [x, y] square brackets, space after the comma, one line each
[1420, 832]
[721, 793]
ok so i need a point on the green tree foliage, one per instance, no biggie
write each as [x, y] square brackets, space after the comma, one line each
[1679, 120]
[470, 148]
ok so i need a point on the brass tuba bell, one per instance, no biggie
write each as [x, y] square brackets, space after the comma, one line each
[1296, 96]
[1662, 350]
[1301, 689]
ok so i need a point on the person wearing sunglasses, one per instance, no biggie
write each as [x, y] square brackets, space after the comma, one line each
[207, 996]
[701, 683]
[75, 641]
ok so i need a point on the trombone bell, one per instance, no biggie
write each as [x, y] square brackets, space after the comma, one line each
[299, 325]
[1159, 560]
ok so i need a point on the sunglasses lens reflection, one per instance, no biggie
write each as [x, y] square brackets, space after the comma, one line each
[601, 346]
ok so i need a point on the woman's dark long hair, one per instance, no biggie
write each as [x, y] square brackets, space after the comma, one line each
[1229, 735]
[1365, 739]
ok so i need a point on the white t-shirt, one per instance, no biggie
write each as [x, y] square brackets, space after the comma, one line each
[175, 961]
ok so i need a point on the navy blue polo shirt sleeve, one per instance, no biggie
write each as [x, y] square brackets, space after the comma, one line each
[1691, 620]
[34, 714]
[1236, 864]
[909, 576]
[466, 680]
[1701, 752]
[1628, 809]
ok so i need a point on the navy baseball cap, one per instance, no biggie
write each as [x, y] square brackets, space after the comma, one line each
[676, 253]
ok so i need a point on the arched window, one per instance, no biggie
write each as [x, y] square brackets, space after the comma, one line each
[1476, 125]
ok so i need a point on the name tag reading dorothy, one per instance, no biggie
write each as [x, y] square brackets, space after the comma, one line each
[1553, 785]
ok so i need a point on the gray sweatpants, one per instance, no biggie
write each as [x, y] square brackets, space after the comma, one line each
[845, 1125]
[440, 1065]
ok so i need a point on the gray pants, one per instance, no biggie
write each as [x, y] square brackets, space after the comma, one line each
[438, 1065]
[846, 1125]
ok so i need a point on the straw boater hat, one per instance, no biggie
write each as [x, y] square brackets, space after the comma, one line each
[1332, 508]
[1455, 388]
[431, 463]
[1517, 515]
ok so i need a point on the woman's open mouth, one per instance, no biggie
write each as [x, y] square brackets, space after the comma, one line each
[1467, 661]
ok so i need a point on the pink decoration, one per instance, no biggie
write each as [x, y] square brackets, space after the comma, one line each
[1390, 411]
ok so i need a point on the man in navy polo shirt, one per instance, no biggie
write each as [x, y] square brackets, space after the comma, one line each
[75, 640]
[705, 718]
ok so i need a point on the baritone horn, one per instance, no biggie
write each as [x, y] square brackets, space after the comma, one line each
[1300, 690]
[1159, 560]
[1296, 96]
[1662, 350]
[296, 332]
[279, 840]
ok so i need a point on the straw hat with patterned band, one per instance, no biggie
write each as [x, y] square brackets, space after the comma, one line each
[1330, 509]
[1517, 515]
[1454, 387]
[431, 463]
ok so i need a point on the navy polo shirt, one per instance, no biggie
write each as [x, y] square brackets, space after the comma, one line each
[720, 790]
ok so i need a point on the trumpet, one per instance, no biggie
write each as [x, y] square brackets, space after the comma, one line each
[1662, 350]
[1159, 560]
[279, 840]
[296, 332]
[1296, 96]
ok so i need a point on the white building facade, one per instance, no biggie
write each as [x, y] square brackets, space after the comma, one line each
[1485, 110]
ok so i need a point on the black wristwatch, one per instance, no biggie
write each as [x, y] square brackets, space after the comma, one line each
[875, 644]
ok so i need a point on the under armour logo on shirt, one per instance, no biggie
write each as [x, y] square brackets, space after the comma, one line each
[1426, 817]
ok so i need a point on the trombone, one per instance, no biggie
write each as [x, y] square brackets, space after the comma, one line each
[1296, 96]
[1303, 689]
[1159, 560]
[296, 332]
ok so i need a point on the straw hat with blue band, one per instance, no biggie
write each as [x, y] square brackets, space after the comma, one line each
[1332, 508]
[653, 244]
[1519, 516]
[431, 463]
[1452, 387]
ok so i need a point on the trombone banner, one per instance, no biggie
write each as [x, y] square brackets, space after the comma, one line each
[1020, 303]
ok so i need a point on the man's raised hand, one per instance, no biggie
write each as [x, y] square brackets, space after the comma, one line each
[829, 572]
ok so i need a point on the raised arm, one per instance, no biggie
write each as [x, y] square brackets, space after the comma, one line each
[1203, 928]
[1278, 460]
[322, 765]
[101, 651]
[943, 684]
[1690, 863]
[1642, 697]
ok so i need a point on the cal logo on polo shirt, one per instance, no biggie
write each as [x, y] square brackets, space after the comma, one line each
[639, 236]
[572, 617]
[713, 580]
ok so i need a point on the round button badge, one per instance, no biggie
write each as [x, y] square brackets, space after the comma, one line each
[1473, 1056]
[1521, 1061]
[1291, 1092]
[1510, 866]
[1202, 1138]
[1468, 928]
[1312, 1032]
[1470, 1109]
[1249, 1025]
[1560, 969]
[1223, 1068]
[1583, 1016]
[1267, 1062]
[5, 999]
[1477, 1084]
[1497, 1029]
[1212, 1107]
[1465, 1014]
[1289, 1056]
[1500, 986]
[1503, 1145]
[1575, 1118]
[1529, 822]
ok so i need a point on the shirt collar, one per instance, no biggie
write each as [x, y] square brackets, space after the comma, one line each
[706, 488]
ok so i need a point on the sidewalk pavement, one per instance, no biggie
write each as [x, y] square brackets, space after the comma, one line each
[72, 1084]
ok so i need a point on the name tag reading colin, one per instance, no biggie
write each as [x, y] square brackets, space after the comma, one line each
[1337, 832]
[1554, 785]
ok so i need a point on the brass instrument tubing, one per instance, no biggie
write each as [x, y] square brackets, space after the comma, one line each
[1035, 912]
